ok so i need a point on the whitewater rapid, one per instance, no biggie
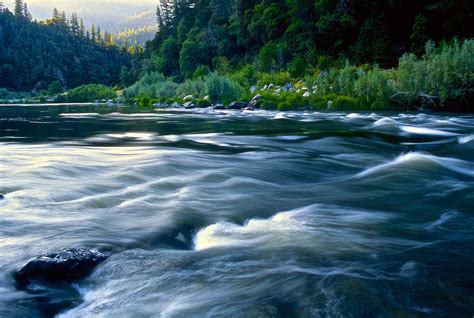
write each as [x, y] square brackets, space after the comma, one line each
[240, 214]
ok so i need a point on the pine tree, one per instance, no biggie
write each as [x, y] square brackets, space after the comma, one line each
[56, 16]
[63, 18]
[93, 35]
[99, 35]
[82, 28]
[2, 7]
[19, 8]
[74, 23]
[108, 39]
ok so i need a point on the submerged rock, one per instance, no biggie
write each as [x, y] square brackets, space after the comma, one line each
[67, 265]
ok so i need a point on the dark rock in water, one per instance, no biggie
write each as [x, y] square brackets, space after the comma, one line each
[66, 265]
[219, 106]
[2, 197]
[238, 105]
[189, 105]
[254, 103]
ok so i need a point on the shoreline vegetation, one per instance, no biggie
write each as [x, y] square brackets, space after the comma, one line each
[252, 54]
[441, 80]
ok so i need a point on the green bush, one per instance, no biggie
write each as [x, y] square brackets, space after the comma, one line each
[444, 76]
[344, 103]
[90, 93]
[196, 88]
[222, 88]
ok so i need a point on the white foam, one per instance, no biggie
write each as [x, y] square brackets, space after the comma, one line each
[452, 164]
[466, 139]
[229, 234]
[426, 131]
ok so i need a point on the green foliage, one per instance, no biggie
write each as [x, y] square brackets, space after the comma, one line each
[90, 93]
[5, 95]
[152, 85]
[200, 71]
[35, 54]
[444, 76]
[192, 87]
[55, 88]
[222, 88]
[344, 103]
[277, 78]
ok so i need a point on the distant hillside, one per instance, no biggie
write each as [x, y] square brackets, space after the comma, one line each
[33, 55]
[113, 15]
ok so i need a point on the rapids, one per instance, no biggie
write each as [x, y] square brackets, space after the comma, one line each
[240, 214]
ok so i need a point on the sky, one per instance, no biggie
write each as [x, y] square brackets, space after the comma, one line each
[113, 15]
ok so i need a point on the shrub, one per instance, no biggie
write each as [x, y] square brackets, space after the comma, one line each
[277, 78]
[90, 93]
[222, 88]
[196, 88]
[345, 103]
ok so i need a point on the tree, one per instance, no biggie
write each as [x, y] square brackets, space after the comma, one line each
[74, 23]
[126, 76]
[82, 28]
[93, 34]
[55, 88]
[19, 8]
[100, 39]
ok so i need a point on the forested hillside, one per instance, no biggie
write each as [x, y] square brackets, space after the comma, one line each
[299, 34]
[35, 54]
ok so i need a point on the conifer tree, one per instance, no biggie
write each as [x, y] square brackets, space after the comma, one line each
[19, 8]
[93, 35]
[82, 28]
[74, 23]
[63, 18]
[99, 35]
[2, 7]
[56, 16]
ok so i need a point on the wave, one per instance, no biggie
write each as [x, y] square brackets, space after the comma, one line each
[426, 131]
[466, 139]
[413, 159]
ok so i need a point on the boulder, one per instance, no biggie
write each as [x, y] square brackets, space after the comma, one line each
[288, 87]
[253, 89]
[238, 105]
[253, 104]
[189, 105]
[2, 196]
[219, 106]
[306, 94]
[66, 265]
[176, 105]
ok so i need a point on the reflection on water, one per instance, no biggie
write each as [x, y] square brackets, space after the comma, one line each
[241, 214]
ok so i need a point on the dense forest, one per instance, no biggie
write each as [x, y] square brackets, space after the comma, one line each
[35, 54]
[348, 54]
[299, 34]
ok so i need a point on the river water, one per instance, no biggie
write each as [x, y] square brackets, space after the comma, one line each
[240, 214]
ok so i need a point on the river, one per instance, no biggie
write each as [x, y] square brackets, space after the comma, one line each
[240, 214]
